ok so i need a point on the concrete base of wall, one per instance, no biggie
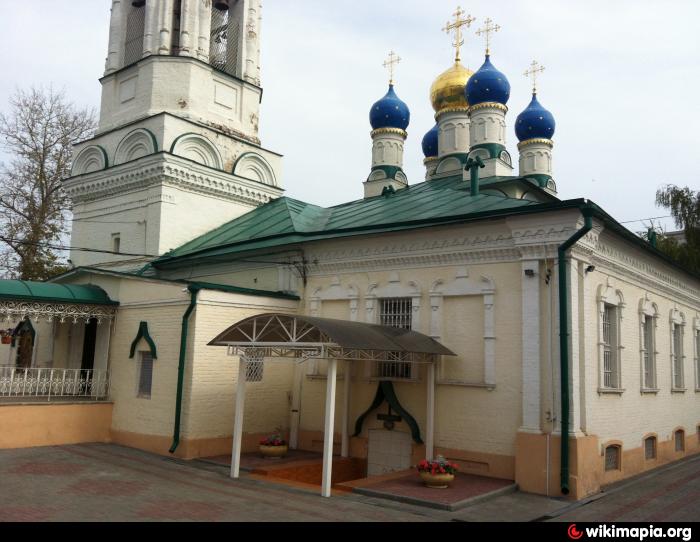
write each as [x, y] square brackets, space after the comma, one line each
[587, 463]
[52, 424]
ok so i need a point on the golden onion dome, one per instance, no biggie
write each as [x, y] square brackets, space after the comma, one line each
[448, 89]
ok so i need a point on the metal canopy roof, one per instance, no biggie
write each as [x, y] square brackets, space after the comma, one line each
[22, 290]
[283, 335]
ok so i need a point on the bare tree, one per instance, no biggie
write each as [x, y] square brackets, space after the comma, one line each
[37, 134]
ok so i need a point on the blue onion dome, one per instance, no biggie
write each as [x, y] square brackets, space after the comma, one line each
[487, 85]
[430, 143]
[535, 122]
[390, 112]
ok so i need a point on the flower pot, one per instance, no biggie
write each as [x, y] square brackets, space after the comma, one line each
[6, 339]
[274, 452]
[437, 481]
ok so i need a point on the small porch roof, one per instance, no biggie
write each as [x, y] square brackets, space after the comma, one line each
[288, 335]
[46, 292]
[21, 299]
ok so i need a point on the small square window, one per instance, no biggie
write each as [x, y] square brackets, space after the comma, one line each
[612, 458]
[145, 375]
[679, 439]
[650, 448]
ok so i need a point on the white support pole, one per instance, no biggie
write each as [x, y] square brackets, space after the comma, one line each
[238, 419]
[345, 444]
[430, 414]
[329, 428]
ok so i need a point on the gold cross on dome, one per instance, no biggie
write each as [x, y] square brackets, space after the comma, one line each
[488, 29]
[535, 68]
[457, 25]
[390, 64]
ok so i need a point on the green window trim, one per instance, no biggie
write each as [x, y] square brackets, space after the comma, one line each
[146, 336]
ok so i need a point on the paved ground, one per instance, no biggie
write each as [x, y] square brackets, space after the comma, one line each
[671, 493]
[104, 482]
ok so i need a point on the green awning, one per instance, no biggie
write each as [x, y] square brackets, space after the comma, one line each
[46, 292]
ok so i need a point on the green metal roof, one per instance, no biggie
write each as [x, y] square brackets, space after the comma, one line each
[54, 293]
[287, 221]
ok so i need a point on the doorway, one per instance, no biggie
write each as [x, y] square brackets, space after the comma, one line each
[24, 338]
[89, 342]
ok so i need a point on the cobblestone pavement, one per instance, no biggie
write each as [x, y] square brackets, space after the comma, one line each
[669, 494]
[99, 482]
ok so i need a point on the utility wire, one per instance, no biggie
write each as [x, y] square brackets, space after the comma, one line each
[83, 249]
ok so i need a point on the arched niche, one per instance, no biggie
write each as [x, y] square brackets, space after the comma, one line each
[135, 145]
[197, 148]
[89, 160]
[254, 167]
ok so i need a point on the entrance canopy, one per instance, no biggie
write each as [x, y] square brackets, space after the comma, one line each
[21, 299]
[283, 335]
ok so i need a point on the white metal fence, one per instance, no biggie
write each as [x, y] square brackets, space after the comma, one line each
[53, 384]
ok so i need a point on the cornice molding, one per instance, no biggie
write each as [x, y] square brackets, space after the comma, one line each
[170, 170]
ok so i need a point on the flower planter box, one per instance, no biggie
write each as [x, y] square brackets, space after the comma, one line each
[274, 452]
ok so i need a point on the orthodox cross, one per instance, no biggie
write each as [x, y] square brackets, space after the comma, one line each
[457, 25]
[535, 68]
[390, 64]
[488, 29]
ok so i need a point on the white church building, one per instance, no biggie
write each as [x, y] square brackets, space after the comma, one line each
[472, 314]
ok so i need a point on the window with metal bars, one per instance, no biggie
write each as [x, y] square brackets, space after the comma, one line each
[135, 29]
[612, 458]
[650, 448]
[396, 312]
[223, 42]
[610, 355]
[677, 356]
[649, 365]
[679, 438]
[254, 371]
[145, 375]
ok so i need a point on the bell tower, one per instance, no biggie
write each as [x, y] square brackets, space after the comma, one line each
[177, 151]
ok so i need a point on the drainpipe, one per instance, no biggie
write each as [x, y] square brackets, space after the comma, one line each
[564, 342]
[194, 290]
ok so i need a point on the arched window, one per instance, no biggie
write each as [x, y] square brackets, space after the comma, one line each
[650, 448]
[224, 52]
[613, 455]
[679, 440]
[135, 28]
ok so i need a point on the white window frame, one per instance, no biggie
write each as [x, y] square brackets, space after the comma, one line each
[609, 297]
[677, 322]
[317, 369]
[389, 370]
[648, 309]
[395, 288]
[139, 393]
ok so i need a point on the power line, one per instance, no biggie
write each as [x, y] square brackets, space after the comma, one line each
[643, 219]
[76, 249]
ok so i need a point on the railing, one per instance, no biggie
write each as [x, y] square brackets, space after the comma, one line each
[53, 384]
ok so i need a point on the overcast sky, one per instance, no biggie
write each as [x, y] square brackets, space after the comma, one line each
[622, 80]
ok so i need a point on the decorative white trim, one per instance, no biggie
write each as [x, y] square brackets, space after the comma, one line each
[531, 352]
[20, 310]
[647, 308]
[462, 285]
[170, 170]
[608, 295]
[677, 319]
